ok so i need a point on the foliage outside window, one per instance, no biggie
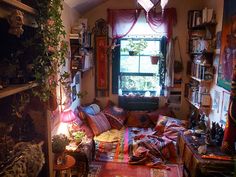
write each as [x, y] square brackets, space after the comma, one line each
[137, 74]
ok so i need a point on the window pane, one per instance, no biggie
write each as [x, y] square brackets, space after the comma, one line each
[139, 83]
[152, 48]
[129, 64]
[146, 66]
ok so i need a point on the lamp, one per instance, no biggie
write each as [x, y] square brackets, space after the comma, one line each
[149, 4]
[67, 116]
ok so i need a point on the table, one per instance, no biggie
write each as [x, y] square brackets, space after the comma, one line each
[196, 166]
[69, 163]
[83, 154]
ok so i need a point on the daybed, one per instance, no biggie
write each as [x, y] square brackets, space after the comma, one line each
[134, 137]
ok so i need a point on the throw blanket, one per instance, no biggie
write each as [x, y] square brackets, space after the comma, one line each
[117, 145]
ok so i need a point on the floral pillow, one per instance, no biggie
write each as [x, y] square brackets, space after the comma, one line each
[115, 115]
[139, 119]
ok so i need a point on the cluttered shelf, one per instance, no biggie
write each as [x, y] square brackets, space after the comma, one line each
[201, 80]
[13, 89]
[21, 6]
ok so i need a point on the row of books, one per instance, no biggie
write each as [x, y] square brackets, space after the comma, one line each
[199, 17]
[197, 45]
[202, 72]
[84, 39]
[198, 95]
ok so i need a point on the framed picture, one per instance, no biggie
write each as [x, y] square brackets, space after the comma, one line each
[73, 92]
[228, 45]
[225, 106]
[216, 101]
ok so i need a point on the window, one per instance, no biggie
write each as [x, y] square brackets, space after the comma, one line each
[137, 74]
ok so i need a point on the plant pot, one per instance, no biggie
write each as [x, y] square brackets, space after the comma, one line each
[133, 53]
[154, 59]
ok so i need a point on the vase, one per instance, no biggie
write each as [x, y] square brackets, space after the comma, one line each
[154, 60]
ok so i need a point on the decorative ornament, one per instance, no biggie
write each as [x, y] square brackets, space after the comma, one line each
[15, 21]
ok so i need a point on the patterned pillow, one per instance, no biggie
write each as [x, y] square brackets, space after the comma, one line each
[98, 123]
[139, 119]
[161, 123]
[165, 121]
[115, 115]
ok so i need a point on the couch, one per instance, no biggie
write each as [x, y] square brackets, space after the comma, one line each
[131, 136]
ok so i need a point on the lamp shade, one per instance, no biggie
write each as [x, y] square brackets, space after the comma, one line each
[67, 116]
[146, 4]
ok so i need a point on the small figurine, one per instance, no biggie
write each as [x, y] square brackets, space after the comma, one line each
[15, 21]
[208, 139]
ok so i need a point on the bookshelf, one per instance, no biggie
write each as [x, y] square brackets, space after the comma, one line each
[201, 47]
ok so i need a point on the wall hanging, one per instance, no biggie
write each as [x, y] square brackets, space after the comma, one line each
[101, 58]
[228, 45]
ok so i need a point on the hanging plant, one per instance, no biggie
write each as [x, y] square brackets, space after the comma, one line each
[52, 50]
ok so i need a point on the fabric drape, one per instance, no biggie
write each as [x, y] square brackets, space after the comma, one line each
[169, 79]
[162, 22]
[123, 20]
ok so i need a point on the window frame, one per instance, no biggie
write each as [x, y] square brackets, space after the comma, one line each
[138, 73]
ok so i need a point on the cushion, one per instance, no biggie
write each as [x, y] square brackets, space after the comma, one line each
[166, 121]
[138, 119]
[92, 109]
[98, 123]
[165, 110]
[81, 113]
[161, 123]
[115, 115]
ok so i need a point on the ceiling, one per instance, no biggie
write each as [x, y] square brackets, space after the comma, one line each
[82, 6]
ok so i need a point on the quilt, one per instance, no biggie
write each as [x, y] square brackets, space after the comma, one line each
[134, 146]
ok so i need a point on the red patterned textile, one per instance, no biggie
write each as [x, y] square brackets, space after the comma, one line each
[228, 144]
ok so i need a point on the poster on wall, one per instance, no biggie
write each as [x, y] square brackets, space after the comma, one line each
[228, 45]
[216, 101]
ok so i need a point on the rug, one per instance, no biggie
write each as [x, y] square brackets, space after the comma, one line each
[113, 169]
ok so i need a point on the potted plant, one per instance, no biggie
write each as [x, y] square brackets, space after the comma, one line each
[155, 57]
[135, 47]
[59, 143]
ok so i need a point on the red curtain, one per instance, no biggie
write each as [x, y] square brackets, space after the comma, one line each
[123, 20]
[162, 22]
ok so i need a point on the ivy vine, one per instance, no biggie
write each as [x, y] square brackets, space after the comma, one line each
[52, 50]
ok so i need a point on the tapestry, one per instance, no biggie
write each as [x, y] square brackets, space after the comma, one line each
[101, 58]
[228, 45]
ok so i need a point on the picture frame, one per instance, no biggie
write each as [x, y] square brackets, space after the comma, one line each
[216, 101]
[224, 106]
[73, 93]
[227, 46]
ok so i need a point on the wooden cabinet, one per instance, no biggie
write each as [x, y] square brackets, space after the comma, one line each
[194, 163]
[201, 50]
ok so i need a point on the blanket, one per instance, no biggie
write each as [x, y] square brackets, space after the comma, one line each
[117, 145]
[135, 146]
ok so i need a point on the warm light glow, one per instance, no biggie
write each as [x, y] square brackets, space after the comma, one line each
[63, 129]
[67, 116]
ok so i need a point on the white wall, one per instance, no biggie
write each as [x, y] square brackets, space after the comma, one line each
[217, 5]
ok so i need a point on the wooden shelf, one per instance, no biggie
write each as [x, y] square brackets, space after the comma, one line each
[13, 89]
[19, 5]
[198, 106]
[200, 80]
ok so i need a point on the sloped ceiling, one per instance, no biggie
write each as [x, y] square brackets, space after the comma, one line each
[82, 6]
